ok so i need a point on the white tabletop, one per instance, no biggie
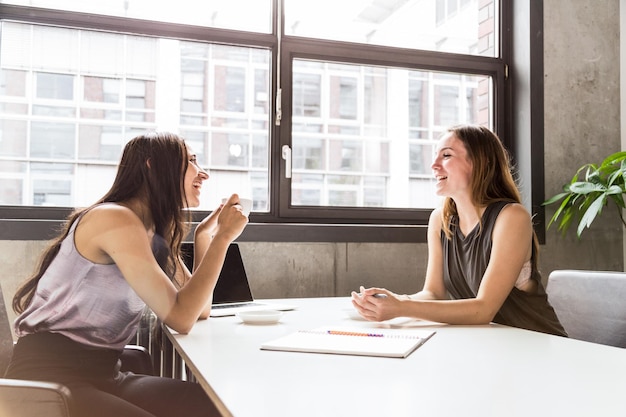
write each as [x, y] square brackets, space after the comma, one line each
[462, 370]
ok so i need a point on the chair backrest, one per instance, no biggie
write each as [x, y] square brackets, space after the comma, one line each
[591, 305]
[20, 398]
[6, 336]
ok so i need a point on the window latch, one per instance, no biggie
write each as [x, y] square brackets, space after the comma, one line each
[279, 106]
[287, 158]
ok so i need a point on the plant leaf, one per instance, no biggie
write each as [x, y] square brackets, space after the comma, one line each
[566, 221]
[585, 188]
[615, 176]
[614, 189]
[554, 199]
[588, 191]
[614, 158]
[565, 205]
[619, 200]
[590, 214]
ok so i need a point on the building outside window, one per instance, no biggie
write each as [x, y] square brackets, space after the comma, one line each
[363, 93]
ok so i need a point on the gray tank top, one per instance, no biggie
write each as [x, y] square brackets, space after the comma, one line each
[89, 303]
[465, 259]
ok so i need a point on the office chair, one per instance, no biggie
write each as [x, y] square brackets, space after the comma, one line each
[590, 304]
[25, 398]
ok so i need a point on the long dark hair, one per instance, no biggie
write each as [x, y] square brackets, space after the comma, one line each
[152, 168]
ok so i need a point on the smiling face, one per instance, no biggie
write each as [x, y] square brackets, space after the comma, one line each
[452, 168]
[194, 176]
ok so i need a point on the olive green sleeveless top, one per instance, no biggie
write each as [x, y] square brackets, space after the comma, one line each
[465, 259]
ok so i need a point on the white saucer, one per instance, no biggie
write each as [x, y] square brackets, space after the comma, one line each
[260, 316]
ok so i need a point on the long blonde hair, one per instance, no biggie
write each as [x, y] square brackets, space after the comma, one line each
[492, 178]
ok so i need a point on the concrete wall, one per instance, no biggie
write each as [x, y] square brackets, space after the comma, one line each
[582, 124]
[279, 270]
[582, 120]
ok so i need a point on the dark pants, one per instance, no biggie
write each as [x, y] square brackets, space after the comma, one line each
[97, 386]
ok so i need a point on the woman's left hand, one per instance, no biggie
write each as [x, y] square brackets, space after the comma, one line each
[377, 304]
[208, 225]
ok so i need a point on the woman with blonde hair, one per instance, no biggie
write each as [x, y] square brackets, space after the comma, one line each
[482, 249]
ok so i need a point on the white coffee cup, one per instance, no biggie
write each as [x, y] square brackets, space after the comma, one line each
[245, 203]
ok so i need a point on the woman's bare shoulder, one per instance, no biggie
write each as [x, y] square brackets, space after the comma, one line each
[109, 215]
[107, 226]
[436, 214]
[514, 216]
[515, 211]
[111, 209]
[434, 222]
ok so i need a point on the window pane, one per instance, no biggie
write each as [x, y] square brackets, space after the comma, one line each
[12, 136]
[96, 142]
[55, 86]
[101, 90]
[52, 140]
[225, 14]
[11, 189]
[216, 96]
[458, 26]
[230, 86]
[377, 154]
[51, 184]
[306, 94]
[224, 113]
[12, 83]
[48, 192]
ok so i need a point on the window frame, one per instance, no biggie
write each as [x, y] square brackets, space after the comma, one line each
[295, 48]
[282, 222]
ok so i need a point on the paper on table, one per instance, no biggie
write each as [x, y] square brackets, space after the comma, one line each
[352, 341]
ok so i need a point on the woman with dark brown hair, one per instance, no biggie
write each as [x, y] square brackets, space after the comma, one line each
[84, 303]
[482, 249]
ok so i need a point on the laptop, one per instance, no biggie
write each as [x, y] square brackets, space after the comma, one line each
[232, 293]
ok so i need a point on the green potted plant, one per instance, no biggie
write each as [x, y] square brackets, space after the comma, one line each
[584, 197]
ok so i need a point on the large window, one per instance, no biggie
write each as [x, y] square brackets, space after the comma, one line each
[327, 116]
[77, 113]
[248, 15]
[362, 136]
[458, 26]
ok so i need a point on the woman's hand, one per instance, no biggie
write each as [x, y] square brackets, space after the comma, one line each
[231, 220]
[227, 220]
[378, 304]
[208, 225]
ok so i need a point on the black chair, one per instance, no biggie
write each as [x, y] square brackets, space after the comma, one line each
[25, 398]
[137, 359]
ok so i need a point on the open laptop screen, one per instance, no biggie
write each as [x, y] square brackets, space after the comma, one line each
[232, 285]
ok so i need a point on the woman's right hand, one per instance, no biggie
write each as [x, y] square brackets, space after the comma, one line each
[230, 220]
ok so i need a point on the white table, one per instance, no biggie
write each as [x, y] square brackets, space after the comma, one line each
[481, 371]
